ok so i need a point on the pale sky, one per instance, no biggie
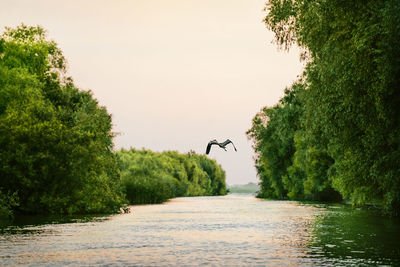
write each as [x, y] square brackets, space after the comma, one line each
[174, 74]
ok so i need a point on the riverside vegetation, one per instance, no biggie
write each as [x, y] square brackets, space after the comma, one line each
[150, 177]
[56, 143]
[336, 132]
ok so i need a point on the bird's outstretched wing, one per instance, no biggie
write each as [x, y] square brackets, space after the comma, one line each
[227, 142]
[208, 148]
[213, 142]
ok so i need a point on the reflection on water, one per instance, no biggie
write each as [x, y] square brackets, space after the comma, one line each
[230, 230]
[355, 236]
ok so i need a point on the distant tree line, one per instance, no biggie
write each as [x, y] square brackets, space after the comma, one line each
[151, 177]
[56, 143]
[250, 188]
[336, 132]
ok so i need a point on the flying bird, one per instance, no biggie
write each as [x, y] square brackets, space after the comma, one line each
[221, 145]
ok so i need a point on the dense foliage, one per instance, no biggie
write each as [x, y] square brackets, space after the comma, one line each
[151, 177]
[338, 128]
[55, 140]
[290, 162]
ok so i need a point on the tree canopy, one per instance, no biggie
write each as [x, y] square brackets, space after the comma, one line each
[151, 177]
[345, 133]
[55, 140]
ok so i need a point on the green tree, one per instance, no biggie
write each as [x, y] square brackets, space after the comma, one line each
[273, 133]
[290, 163]
[55, 140]
[352, 101]
[151, 177]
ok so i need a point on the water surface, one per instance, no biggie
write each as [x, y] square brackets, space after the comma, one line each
[233, 230]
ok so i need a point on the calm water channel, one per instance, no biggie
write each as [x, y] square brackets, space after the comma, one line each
[233, 230]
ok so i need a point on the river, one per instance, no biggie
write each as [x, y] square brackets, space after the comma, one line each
[233, 230]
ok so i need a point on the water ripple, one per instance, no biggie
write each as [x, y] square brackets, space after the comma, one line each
[224, 231]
